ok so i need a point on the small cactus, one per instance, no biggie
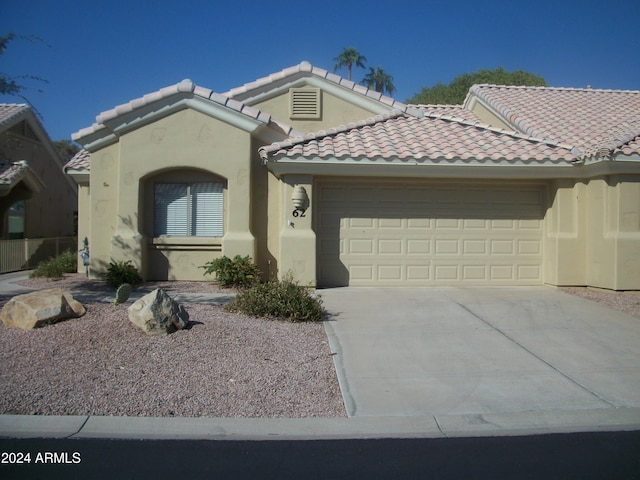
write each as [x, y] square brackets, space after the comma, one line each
[122, 293]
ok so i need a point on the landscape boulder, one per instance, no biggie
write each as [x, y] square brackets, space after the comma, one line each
[158, 314]
[40, 308]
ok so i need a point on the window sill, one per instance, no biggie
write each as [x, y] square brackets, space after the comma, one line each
[168, 241]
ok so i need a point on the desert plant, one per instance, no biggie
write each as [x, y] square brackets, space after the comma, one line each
[239, 272]
[122, 294]
[283, 299]
[122, 272]
[67, 262]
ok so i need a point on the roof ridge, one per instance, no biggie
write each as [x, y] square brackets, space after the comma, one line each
[10, 111]
[622, 134]
[185, 86]
[307, 68]
[539, 87]
[502, 131]
[265, 150]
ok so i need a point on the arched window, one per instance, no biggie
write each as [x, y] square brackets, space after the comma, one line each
[188, 209]
[186, 206]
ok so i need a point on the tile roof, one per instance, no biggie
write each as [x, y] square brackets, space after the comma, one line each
[10, 111]
[12, 173]
[597, 122]
[434, 137]
[184, 87]
[80, 162]
[306, 69]
[447, 111]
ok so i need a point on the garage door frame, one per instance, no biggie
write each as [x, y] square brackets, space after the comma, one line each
[522, 265]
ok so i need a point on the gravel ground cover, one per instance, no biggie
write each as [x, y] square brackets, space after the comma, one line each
[222, 365]
[627, 302]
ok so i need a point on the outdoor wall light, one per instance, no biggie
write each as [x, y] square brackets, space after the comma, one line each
[300, 198]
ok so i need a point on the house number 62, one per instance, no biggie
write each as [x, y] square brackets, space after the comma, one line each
[298, 213]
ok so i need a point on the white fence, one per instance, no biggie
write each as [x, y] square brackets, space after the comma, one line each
[24, 254]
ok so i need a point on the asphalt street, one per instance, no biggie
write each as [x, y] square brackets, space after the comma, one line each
[604, 455]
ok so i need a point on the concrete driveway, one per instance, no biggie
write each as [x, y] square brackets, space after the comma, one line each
[429, 351]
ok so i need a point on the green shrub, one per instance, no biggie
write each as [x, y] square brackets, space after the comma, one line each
[279, 299]
[239, 272]
[122, 272]
[66, 262]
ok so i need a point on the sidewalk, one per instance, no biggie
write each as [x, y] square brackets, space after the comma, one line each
[9, 288]
[432, 426]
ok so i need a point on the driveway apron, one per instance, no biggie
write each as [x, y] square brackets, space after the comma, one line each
[477, 350]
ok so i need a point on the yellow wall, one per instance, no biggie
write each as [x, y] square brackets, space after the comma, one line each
[297, 237]
[335, 112]
[123, 172]
[591, 226]
[613, 248]
[84, 220]
[593, 233]
[565, 238]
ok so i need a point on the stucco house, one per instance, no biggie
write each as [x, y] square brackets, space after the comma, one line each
[37, 199]
[310, 173]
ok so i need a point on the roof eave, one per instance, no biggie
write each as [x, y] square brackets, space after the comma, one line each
[79, 176]
[453, 168]
[27, 176]
[110, 130]
[409, 167]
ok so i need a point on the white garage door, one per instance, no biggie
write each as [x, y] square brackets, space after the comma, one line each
[418, 233]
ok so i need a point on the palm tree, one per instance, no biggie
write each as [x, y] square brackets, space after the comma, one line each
[348, 58]
[379, 80]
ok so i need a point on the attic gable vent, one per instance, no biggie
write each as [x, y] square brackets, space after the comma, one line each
[24, 130]
[305, 103]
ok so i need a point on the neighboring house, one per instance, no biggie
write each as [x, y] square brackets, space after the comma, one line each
[310, 173]
[37, 199]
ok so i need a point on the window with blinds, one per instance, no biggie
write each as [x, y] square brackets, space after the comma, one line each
[188, 209]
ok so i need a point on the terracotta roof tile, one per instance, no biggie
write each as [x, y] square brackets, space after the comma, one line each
[591, 120]
[432, 137]
[447, 111]
[183, 87]
[80, 162]
[12, 173]
[307, 69]
[9, 111]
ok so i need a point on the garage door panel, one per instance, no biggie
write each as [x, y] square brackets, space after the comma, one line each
[418, 246]
[387, 233]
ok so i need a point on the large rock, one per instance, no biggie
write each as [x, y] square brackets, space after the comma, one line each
[37, 309]
[158, 314]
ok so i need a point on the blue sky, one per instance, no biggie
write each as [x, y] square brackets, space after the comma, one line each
[101, 54]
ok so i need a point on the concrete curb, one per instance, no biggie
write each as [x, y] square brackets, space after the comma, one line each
[436, 426]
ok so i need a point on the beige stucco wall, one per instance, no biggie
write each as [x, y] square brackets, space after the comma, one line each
[335, 111]
[488, 117]
[84, 219]
[613, 248]
[591, 226]
[297, 237]
[565, 234]
[122, 172]
[593, 233]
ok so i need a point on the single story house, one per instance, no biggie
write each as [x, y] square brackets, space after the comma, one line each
[312, 174]
[37, 199]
